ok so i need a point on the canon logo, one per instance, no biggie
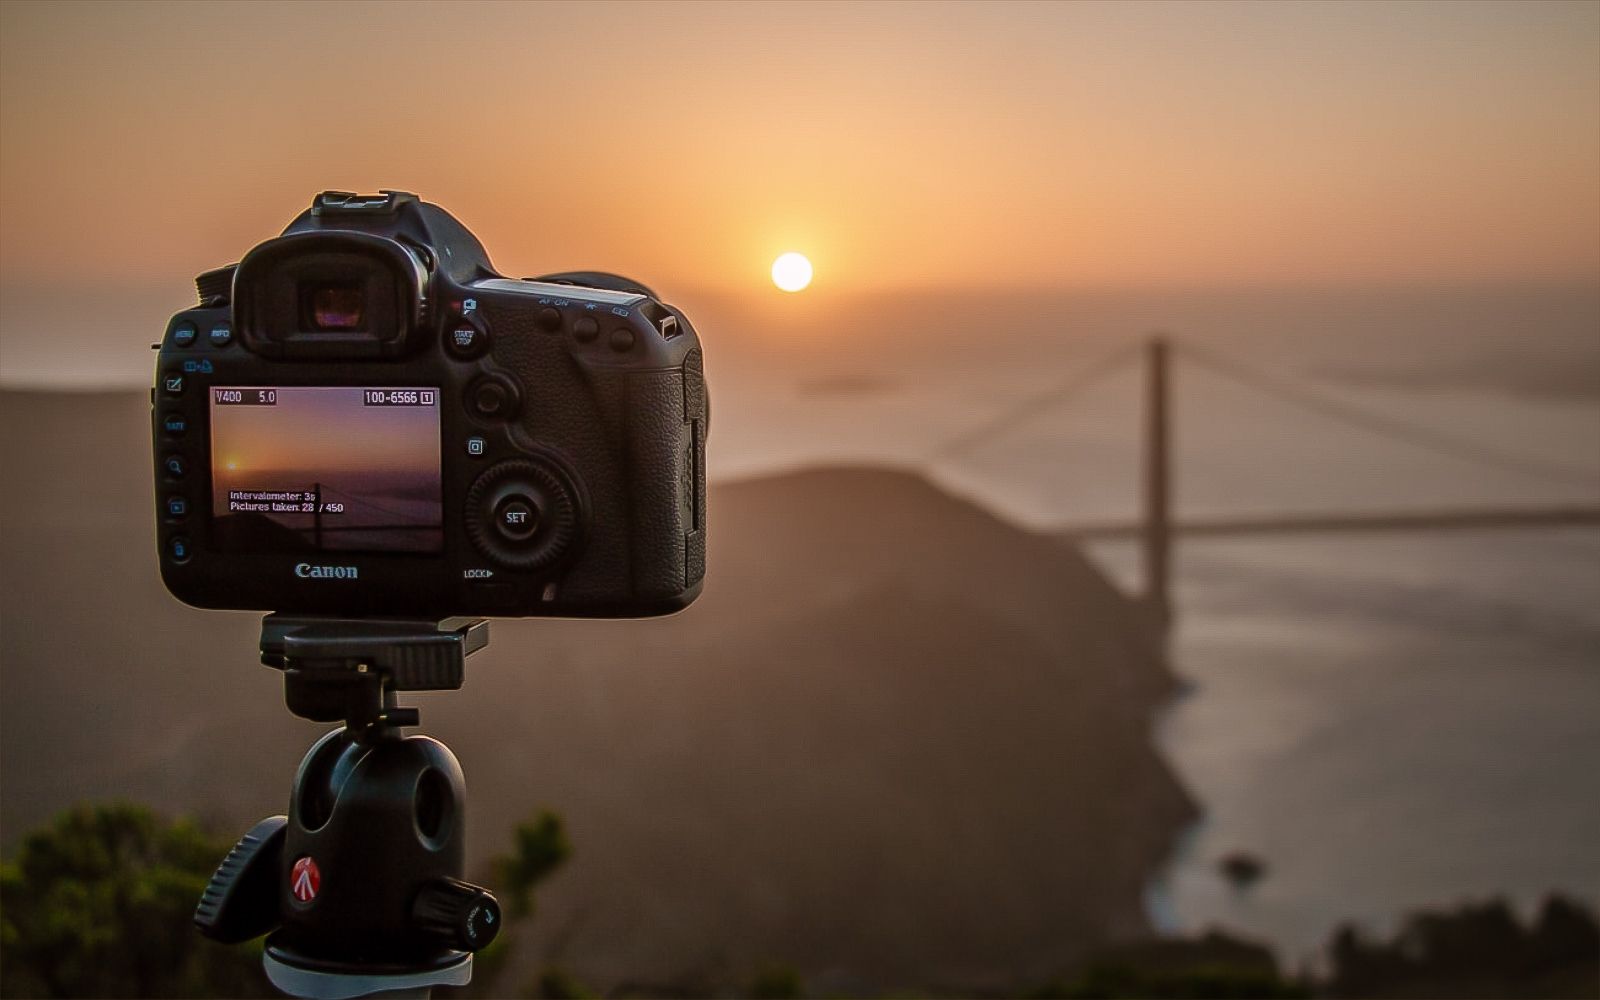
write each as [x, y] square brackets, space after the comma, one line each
[311, 572]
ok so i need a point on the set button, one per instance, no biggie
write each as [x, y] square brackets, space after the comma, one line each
[516, 518]
[175, 424]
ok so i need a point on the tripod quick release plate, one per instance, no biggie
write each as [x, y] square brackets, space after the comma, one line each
[340, 668]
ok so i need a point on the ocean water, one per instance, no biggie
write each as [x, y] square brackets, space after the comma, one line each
[1387, 721]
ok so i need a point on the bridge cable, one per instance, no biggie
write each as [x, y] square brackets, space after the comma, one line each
[1081, 379]
[1417, 435]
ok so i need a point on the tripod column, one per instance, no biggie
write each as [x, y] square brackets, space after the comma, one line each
[1157, 533]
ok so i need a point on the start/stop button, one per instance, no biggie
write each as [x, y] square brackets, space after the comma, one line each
[466, 338]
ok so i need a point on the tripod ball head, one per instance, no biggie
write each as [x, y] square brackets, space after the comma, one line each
[364, 875]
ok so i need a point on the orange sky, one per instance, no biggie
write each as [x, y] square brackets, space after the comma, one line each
[897, 145]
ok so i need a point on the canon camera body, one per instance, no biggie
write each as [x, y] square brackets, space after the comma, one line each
[361, 418]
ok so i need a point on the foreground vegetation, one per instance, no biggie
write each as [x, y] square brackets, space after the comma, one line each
[99, 904]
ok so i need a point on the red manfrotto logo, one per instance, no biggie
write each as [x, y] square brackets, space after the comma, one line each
[305, 879]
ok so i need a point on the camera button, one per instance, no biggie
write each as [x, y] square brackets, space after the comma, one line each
[586, 329]
[466, 340]
[493, 398]
[174, 466]
[177, 508]
[221, 335]
[517, 518]
[178, 549]
[183, 334]
[622, 340]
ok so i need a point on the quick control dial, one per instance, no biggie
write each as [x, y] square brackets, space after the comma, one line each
[524, 514]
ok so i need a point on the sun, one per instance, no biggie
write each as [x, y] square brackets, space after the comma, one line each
[791, 272]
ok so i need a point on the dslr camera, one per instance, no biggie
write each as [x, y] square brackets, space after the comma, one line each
[362, 418]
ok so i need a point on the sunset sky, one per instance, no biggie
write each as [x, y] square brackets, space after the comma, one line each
[897, 145]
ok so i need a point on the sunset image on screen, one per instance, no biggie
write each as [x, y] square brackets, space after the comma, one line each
[325, 468]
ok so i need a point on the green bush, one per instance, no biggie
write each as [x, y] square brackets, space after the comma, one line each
[101, 903]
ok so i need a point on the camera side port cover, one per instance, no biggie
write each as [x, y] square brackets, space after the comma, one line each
[524, 514]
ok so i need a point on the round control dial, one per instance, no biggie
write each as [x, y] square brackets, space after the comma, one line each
[523, 514]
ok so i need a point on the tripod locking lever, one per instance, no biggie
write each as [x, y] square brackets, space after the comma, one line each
[241, 900]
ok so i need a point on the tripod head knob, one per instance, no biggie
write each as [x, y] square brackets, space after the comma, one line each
[457, 914]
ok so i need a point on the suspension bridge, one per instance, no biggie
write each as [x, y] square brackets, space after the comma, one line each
[1156, 528]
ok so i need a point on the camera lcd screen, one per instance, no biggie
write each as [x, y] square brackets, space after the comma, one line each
[325, 468]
